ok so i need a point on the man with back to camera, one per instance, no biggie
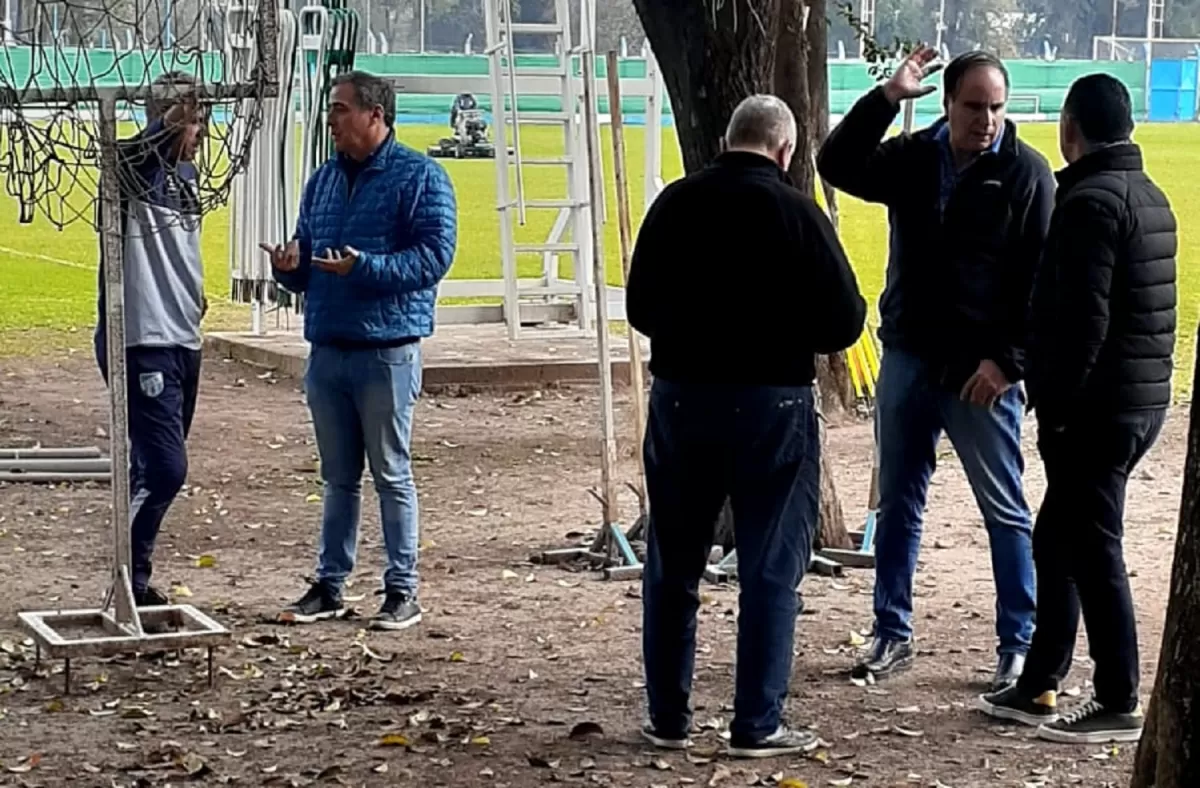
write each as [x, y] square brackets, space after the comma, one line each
[731, 412]
[376, 234]
[164, 305]
[969, 206]
[1100, 381]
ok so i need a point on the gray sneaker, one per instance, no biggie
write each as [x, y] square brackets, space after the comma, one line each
[1091, 723]
[783, 741]
[665, 741]
[398, 611]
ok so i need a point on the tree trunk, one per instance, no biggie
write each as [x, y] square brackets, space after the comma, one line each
[712, 54]
[715, 53]
[1169, 753]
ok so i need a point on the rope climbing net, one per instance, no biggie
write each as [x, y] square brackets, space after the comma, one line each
[64, 57]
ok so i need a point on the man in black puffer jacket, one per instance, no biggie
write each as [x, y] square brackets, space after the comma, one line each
[1100, 380]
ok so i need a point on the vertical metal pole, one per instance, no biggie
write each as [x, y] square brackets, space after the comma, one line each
[637, 384]
[652, 183]
[422, 2]
[608, 437]
[114, 320]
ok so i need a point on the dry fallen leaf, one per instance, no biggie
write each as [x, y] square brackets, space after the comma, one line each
[26, 765]
[394, 740]
[206, 562]
[181, 591]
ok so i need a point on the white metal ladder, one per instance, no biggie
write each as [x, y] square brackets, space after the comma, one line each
[574, 211]
[1156, 14]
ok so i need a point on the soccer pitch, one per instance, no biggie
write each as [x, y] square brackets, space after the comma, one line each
[48, 277]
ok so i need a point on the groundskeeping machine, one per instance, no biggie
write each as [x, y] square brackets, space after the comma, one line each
[469, 137]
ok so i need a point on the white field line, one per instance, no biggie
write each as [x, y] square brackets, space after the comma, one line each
[72, 264]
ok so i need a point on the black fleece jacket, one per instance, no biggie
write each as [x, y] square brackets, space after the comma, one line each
[959, 280]
[739, 278]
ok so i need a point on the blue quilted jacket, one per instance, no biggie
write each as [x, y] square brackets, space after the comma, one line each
[401, 216]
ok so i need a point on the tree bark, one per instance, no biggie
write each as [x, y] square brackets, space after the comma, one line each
[714, 54]
[1169, 753]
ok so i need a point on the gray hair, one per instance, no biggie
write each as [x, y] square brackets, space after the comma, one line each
[371, 91]
[761, 121]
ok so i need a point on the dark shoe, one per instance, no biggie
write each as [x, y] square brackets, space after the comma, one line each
[150, 597]
[1008, 670]
[320, 603]
[1091, 723]
[398, 611]
[665, 741]
[1013, 705]
[784, 741]
[886, 658]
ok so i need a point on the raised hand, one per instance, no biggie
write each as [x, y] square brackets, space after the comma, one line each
[284, 258]
[907, 81]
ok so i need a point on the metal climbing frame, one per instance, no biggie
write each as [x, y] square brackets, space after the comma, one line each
[574, 211]
[543, 308]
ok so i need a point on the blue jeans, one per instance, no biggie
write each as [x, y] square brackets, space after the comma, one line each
[362, 406]
[912, 410]
[760, 448]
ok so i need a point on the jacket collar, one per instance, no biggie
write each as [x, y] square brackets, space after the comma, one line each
[752, 162]
[1004, 145]
[1118, 157]
[375, 161]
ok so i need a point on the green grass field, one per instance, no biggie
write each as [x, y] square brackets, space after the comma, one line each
[48, 277]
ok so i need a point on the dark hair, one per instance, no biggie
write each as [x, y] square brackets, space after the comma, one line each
[960, 66]
[371, 91]
[1101, 105]
[167, 89]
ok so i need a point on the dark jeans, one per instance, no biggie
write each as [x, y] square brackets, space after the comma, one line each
[162, 385]
[911, 413]
[758, 447]
[1077, 549]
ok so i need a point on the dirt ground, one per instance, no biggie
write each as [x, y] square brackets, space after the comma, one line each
[512, 657]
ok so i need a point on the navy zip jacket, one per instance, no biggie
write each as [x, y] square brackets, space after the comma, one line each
[962, 254]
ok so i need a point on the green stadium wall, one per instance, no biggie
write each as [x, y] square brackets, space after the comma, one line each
[1038, 87]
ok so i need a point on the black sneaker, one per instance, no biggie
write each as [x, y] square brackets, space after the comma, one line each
[398, 611]
[783, 741]
[1091, 723]
[150, 597]
[320, 603]
[664, 741]
[1008, 670]
[886, 658]
[1013, 705]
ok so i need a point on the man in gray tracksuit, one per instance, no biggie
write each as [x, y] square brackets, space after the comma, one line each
[164, 304]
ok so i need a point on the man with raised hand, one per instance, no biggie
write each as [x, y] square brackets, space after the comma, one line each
[969, 206]
[376, 234]
[1101, 362]
[731, 413]
[164, 305]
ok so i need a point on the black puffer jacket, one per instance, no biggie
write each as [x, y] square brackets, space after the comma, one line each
[1104, 297]
[958, 280]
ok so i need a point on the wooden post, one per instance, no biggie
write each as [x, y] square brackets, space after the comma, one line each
[637, 383]
[121, 592]
[608, 445]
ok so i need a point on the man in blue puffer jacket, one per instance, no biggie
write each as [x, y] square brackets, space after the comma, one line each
[376, 234]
